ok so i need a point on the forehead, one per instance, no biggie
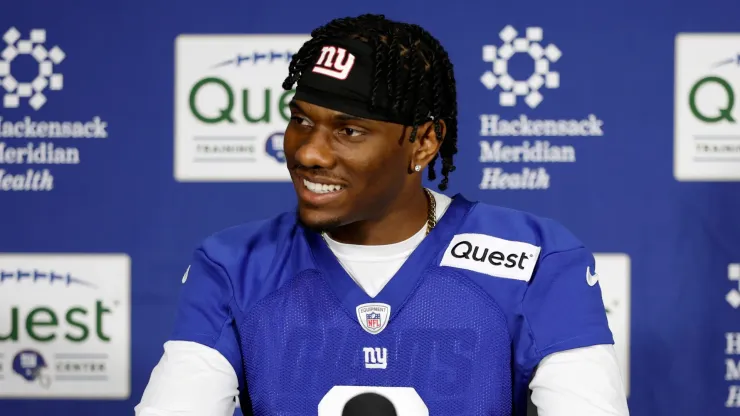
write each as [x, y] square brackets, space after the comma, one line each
[319, 112]
[315, 109]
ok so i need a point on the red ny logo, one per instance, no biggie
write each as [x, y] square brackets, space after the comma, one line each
[334, 62]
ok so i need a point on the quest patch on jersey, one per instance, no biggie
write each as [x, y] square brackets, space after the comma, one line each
[373, 316]
[492, 256]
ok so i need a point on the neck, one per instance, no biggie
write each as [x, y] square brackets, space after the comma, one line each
[399, 222]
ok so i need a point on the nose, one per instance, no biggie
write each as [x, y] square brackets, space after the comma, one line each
[315, 151]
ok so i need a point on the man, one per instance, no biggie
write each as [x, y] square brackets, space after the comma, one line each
[438, 305]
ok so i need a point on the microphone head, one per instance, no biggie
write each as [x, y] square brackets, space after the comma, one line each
[369, 404]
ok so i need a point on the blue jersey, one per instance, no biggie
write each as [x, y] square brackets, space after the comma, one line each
[458, 330]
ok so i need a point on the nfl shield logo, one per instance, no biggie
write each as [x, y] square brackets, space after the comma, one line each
[373, 317]
[373, 320]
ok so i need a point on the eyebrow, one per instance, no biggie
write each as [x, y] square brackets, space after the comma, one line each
[339, 116]
[294, 106]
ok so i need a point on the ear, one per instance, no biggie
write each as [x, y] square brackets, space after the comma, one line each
[427, 143]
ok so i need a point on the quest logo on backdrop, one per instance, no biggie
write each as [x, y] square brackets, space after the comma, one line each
[706, 131]
[65, 326]
[230, 107]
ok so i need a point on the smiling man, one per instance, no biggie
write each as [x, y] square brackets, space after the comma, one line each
[377, 293]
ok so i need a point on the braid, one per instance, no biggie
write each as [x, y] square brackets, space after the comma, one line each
[394, 63]
[399, 46]
[444, 74]
[381, 52]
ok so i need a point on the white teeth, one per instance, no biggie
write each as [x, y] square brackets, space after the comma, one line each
[321, 188]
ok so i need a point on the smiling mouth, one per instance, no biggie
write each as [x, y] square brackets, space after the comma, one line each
[321, 188]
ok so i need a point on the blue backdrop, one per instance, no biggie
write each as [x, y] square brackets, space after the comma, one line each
[616, 191]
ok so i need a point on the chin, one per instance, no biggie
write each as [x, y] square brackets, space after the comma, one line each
[318, 221]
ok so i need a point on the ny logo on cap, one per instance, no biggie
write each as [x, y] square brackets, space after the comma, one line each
[334, 62]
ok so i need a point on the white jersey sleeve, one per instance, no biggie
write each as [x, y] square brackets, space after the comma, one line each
[579, 382]
[190, 379]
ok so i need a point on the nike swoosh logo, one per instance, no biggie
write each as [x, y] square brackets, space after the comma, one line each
[185, 276]
[591, 279]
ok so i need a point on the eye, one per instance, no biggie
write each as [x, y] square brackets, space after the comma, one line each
[301, 121]
[349, 131]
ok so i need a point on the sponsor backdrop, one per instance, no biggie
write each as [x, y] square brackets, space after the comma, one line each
[129, 131]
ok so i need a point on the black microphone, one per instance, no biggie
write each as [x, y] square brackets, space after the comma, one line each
[369, 404]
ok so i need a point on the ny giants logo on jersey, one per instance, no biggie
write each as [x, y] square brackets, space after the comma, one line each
[376, 357]
[373, 316]
[492, 256]
[335, 62]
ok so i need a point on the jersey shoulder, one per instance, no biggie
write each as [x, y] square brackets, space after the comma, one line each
[506, 243]
[521, 226]
[259, 256]
[259, 237]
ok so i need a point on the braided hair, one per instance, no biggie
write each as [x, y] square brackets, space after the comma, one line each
[399, 46]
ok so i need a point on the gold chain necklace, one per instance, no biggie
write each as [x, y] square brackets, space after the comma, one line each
[431, 211]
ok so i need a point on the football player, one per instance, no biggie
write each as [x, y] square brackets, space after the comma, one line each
[376, 286]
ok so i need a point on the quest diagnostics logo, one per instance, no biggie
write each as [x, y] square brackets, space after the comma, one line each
[721, 112]
[706, 132]
[65, 326]
[493, 256]
[230, 107]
